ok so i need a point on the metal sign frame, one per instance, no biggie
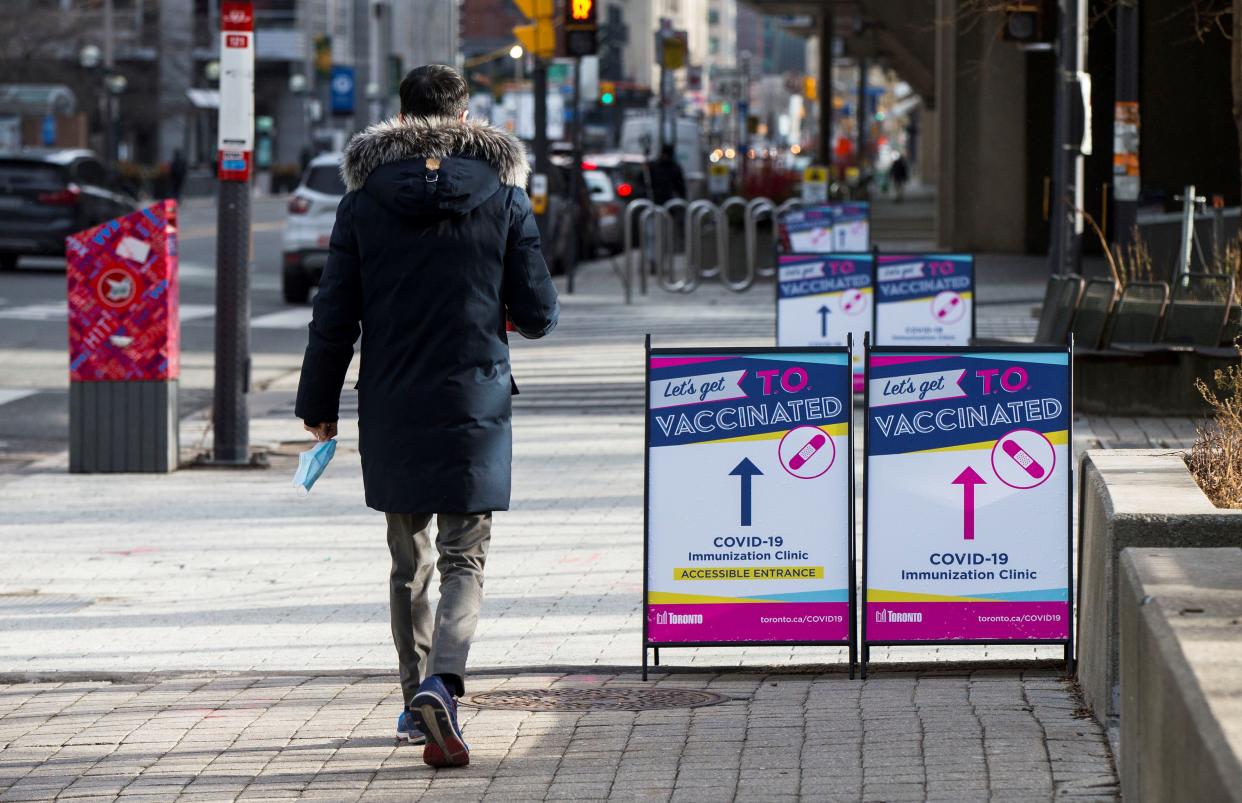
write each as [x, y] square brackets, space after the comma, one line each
[852, 641]
[1068, 642]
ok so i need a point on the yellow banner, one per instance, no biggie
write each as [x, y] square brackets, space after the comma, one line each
[749, 573]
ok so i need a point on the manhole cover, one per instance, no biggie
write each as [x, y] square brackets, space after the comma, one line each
[578, 698]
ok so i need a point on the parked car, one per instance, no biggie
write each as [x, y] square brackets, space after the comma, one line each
[607, 208]
[628, 172]
[308, 227]
[48, 194]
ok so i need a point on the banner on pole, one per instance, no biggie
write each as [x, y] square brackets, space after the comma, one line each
[749, 507]
[966, 532]
[235, 141]
[924, 300]
[823, 300]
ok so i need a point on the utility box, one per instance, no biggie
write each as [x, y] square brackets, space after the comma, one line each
[124, 343]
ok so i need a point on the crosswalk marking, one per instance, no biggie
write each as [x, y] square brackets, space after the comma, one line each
[13, 394]
[293, 318]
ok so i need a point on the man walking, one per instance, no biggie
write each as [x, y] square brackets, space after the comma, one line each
[434, 248]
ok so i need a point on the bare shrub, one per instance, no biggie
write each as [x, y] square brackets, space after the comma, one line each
[1215, 459]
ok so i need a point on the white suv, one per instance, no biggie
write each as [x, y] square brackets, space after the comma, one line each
[308, 227]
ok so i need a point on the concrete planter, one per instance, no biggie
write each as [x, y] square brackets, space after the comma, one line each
[1181, 646]
[1132, 498]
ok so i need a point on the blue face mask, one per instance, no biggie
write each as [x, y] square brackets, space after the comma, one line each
[311, 464]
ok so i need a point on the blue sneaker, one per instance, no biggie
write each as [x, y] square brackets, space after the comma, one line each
[407, 731]
[435, 714]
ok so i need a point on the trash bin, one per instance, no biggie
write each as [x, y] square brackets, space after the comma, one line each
[124, 343]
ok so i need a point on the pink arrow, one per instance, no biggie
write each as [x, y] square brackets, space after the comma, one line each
[968, 479]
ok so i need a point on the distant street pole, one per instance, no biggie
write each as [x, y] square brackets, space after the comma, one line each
[1067, 165]
[861, 139]
[825, 85]
[1126, 168]
[540, 76]
[230, 417]
[575, 177]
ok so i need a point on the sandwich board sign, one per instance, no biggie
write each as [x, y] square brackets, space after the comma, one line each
[749, 508]
[826, 228]
[967, 516]
[924, 299]
[824, 300]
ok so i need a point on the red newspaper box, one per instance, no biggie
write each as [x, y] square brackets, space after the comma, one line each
[124, 343]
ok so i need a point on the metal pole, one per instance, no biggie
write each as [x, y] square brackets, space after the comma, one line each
[825, 86]
[229, 416]
[1067, 162]
[575, 178]
[375, 60]
[1126, 167]
[541, 116]
[861, 139]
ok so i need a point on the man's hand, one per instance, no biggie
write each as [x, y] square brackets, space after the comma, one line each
[322, 432]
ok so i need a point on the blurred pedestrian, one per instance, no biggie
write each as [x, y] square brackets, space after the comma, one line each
[434, 247]
[176, 173]
[667, 179]
[898, 175]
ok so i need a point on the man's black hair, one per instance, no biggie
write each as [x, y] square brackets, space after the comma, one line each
[667, 152]
[434, 90]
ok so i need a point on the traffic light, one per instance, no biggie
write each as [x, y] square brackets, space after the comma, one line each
[538, 38]
[1030, 22]
[810, 89]
[581, 28]
[607, 93]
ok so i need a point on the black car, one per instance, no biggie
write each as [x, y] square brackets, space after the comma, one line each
[46, 195]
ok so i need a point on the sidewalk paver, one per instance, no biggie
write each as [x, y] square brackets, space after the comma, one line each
[947, 734]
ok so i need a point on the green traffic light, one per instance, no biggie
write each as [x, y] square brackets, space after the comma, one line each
[726, 108]
[606, 98]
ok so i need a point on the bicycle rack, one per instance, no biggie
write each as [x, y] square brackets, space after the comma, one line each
[759, 208]
[651, 243]
[632, 255]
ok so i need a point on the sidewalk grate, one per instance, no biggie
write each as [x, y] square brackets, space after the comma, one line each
[579, 698]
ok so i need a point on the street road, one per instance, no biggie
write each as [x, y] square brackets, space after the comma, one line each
[33, 341]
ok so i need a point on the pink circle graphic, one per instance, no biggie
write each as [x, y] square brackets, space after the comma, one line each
[948, 307]
[853, 302]
[807, 452]
[1023, 459]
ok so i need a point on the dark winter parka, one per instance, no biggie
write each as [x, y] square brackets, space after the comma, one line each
[434, 243]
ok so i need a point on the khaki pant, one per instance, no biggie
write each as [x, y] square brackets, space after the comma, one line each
[423, 647]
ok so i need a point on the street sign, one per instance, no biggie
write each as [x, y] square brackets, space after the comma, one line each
[672, 48]
[815, 185]
[824, 300]
[924, 300]
[748, 533]
[539, 193]
[718, 179]
[966, 534]
[235, 140]
[341, 94]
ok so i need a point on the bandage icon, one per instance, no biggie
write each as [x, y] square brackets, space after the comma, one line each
[1023, 459]
[953, 302]
[807, 452]
[854, 299]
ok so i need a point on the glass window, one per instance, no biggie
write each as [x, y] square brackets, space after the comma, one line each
[325, 179]
[21, 173]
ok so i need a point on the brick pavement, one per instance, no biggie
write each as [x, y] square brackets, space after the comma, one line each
[1002, 734]
[227, 571]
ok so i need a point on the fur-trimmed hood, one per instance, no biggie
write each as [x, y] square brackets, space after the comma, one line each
[397, 139]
